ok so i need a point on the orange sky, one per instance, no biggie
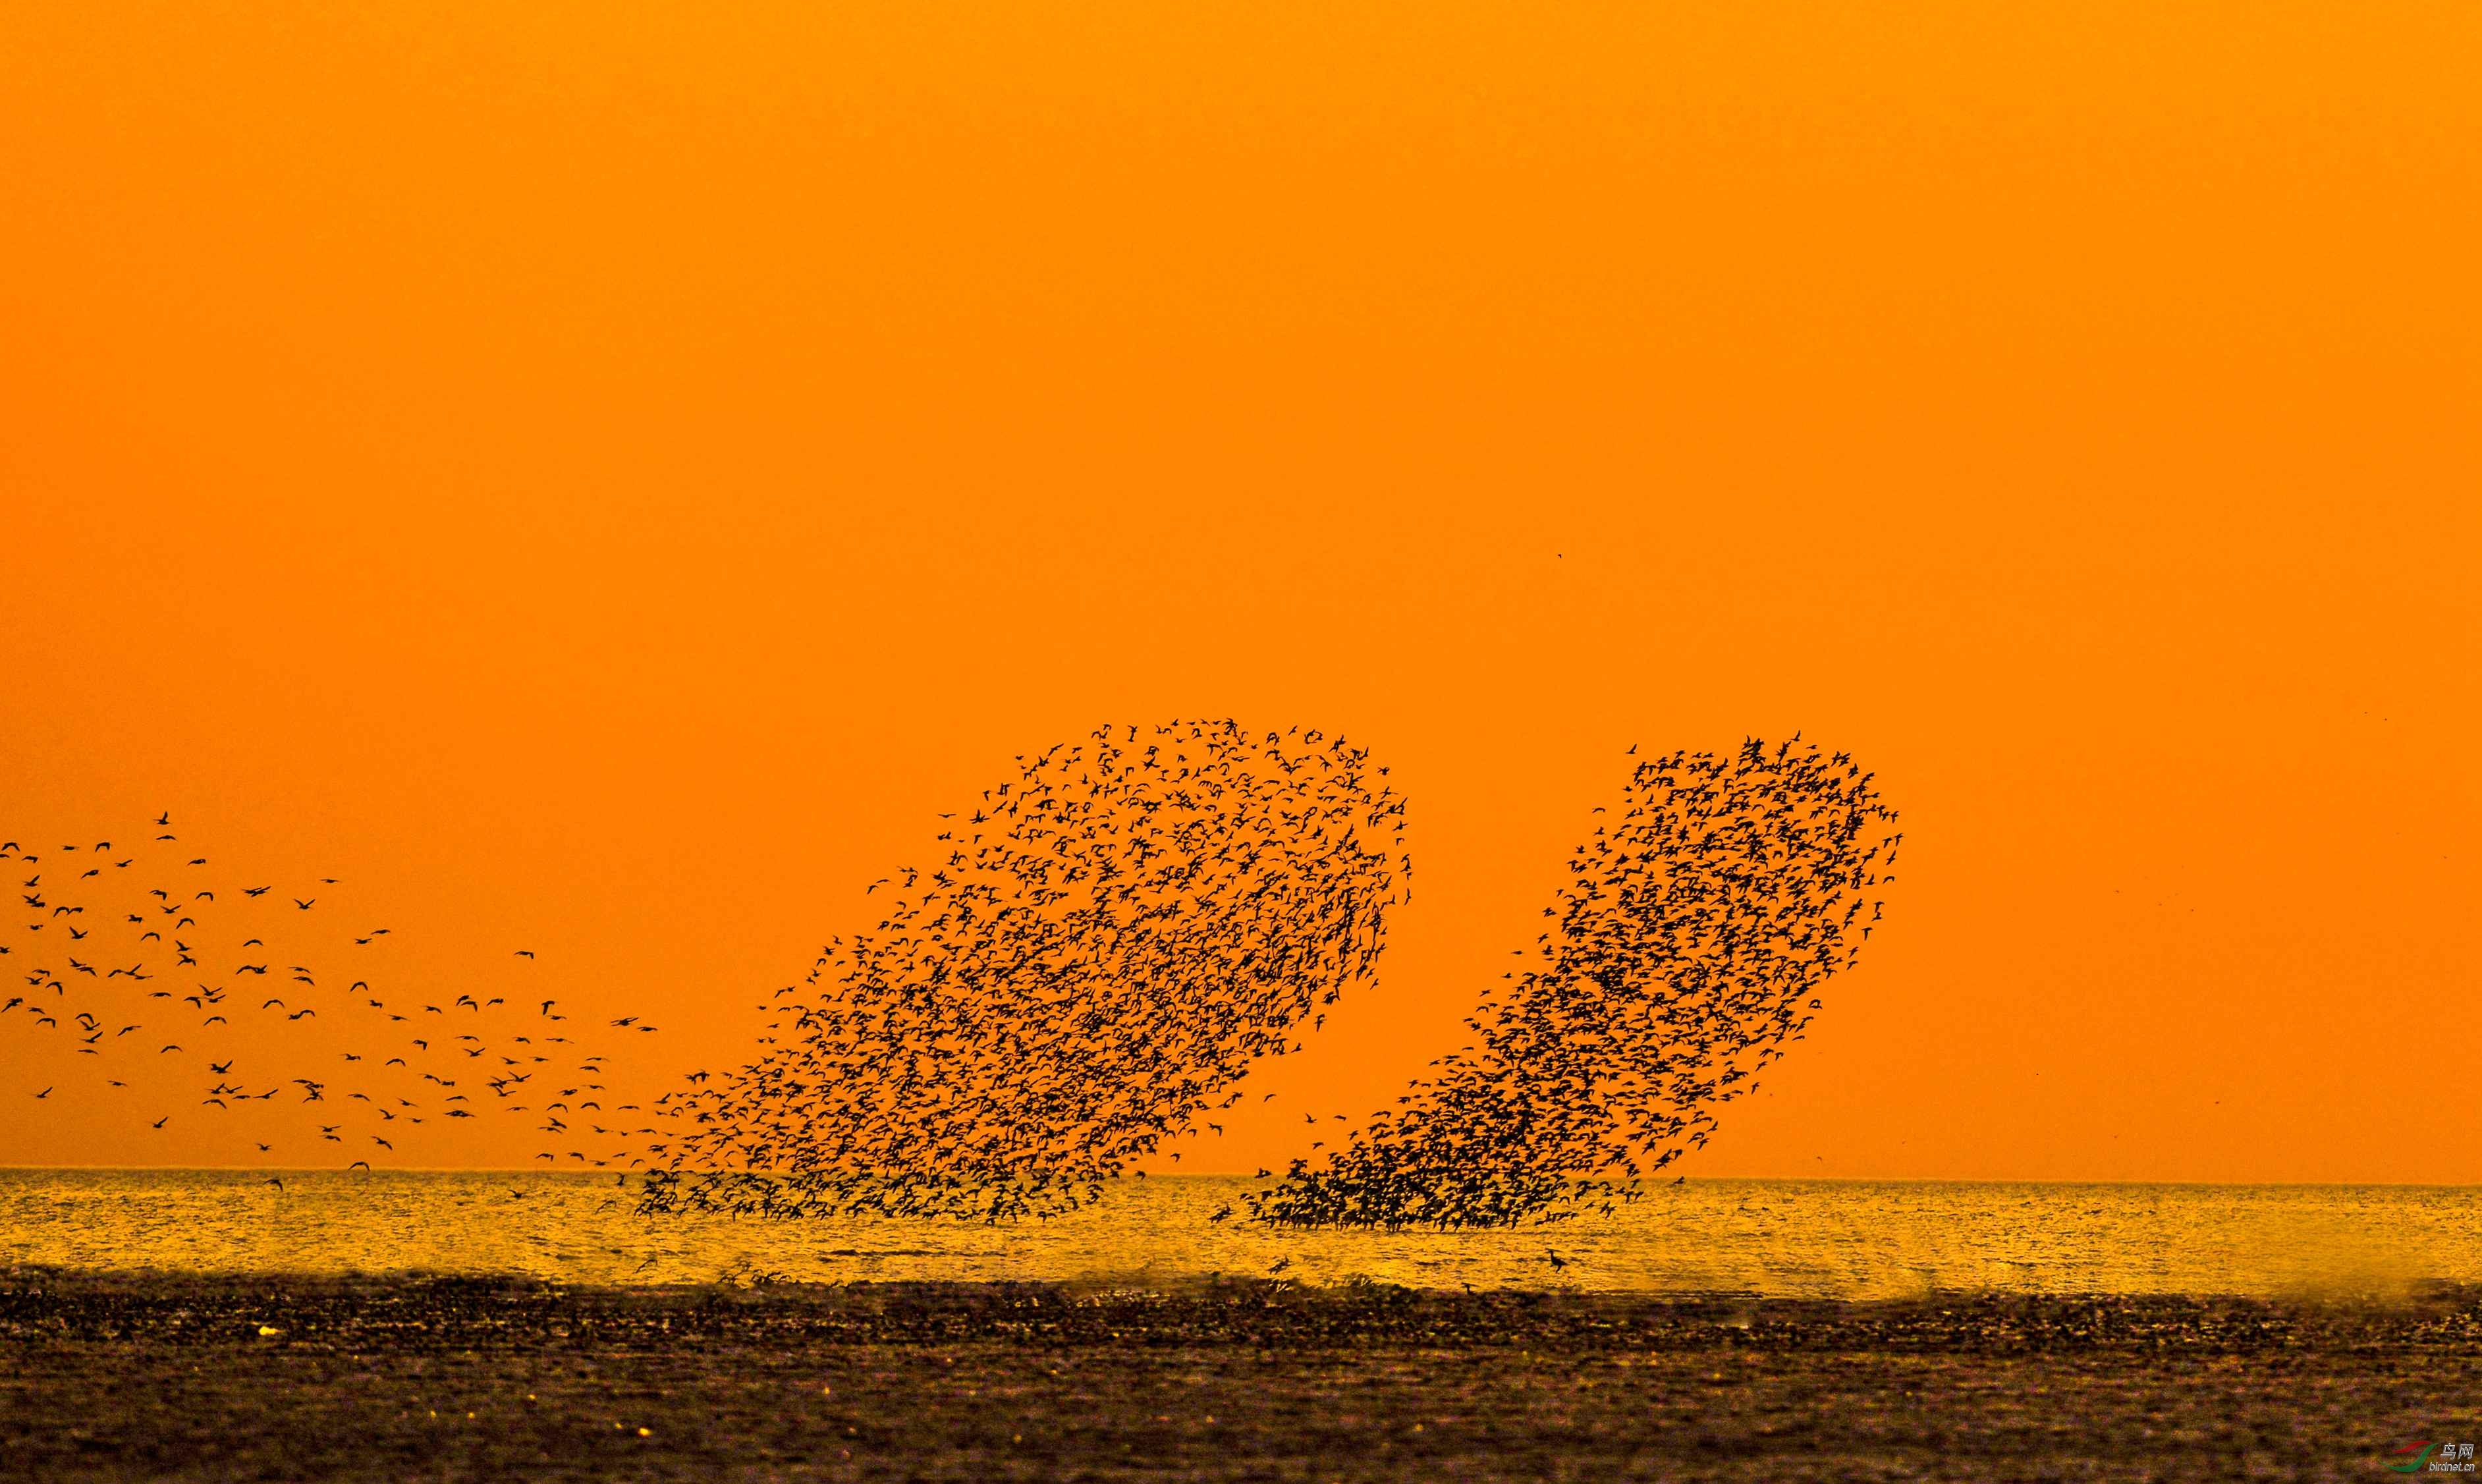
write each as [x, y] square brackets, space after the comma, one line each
[604, 476]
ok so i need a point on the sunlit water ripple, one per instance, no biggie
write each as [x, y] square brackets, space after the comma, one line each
[1794, 1238]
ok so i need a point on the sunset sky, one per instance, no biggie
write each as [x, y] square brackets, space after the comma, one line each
[602, 478]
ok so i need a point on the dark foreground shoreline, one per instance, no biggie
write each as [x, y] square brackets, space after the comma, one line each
[124, 1376]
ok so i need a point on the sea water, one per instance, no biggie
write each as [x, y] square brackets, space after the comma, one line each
[1787, 1239]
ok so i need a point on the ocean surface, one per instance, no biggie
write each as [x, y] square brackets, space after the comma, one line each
[1771, 1238]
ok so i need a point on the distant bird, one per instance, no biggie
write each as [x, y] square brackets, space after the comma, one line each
[1288, 853]
[1752, 867]
[1085, 963]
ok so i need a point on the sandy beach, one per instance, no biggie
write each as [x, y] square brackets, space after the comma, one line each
[106, 1376]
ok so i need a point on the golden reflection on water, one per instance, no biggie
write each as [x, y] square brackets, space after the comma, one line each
[1792, 1238]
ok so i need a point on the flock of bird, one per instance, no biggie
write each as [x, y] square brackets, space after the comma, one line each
[1684, 953]
[1105, 946]
[148, 989]
[1114, 936]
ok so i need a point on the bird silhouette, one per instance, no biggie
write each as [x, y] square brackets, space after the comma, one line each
[162, 886]
[1694, 927]
[1091, 955]
[1094, 952]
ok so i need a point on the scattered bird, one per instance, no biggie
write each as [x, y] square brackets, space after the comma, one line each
[90, 911]
[1098, 949]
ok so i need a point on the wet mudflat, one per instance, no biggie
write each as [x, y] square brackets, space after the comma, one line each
[125, 1377]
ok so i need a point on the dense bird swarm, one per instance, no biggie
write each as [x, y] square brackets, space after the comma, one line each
[1105, 945]
[1683, 955]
